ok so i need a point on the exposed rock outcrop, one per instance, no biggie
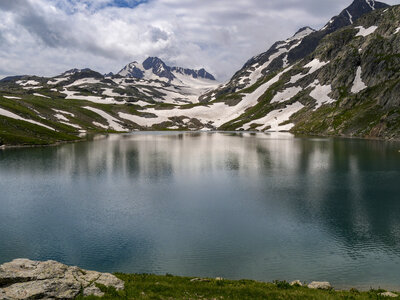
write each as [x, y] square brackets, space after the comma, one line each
[389, 295]
[26, 279]
[320, 285]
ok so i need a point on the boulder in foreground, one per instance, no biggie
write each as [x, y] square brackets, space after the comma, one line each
[26, 279]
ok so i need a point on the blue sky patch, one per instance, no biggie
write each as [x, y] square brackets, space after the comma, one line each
[127, 3]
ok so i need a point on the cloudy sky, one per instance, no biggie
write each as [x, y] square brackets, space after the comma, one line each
[47, 37]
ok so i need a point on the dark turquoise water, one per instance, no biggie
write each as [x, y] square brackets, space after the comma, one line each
[258, 206]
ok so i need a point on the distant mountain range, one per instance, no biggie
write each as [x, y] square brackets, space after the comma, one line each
[341, 80]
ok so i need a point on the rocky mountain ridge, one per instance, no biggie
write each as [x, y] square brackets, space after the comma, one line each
[153, 66]
[303, 43]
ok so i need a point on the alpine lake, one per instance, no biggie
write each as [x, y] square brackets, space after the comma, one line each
[264, 206]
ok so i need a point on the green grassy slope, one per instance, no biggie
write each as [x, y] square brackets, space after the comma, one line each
[170, 287]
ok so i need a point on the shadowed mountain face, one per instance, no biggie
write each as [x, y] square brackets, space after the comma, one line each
[347, 17]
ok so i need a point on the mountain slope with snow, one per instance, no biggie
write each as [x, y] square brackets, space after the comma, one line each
[349, 85]
[302, 44]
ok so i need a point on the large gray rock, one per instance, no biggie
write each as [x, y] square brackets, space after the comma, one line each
[26, 279]
[316, 285]
[389, 295]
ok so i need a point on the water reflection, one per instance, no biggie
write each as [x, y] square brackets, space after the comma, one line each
[263, 206]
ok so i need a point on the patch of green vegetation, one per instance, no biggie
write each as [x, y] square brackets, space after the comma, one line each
[171, 287]
[16, 132]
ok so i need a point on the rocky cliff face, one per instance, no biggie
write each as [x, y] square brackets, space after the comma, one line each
[25, 279]
[348, 86]
[302, 44]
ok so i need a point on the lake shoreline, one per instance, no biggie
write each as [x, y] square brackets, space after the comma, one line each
[47, 279]
[295, 135]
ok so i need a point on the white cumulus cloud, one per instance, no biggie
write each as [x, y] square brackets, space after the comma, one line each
[47, 37]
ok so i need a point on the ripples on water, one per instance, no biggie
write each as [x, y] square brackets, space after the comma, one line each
[261, 206]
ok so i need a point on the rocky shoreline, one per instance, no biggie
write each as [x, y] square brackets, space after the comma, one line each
[25, 279]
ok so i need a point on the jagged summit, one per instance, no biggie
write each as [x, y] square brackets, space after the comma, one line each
[352, 13]
[158, 67]
[301, 33]
[154, 68]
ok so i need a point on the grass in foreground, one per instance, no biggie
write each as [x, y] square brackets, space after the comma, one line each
[171, 287]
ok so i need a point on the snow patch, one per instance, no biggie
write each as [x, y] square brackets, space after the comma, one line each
[12, 97]
[366, 31]
[113, 122]
[315, 65]
[64, 112]
[297, 77]
[72, 125]
[84, 81]
[27, 82]
[397, 30]
[276, 117]
[371, 4]
[350, 17]
[257, 73]
[9, 114]
[286, 94]
[358, 84]
[32, 87]
[94, 99]
[301, 35]
[141, 121]
[285, 61]
[40, 95]
[321, 94]
[99, 125]
[61, 117]
[110, 92]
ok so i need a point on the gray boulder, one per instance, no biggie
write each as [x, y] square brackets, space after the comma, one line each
[26, 279]
[389, 295]
[316, 285]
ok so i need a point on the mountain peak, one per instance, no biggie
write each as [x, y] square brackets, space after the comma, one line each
[158, 67]
[304, 29]
[155, 66]
[301, 33]
[352, 13]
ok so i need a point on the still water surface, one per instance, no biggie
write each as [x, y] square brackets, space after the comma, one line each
[259, 206]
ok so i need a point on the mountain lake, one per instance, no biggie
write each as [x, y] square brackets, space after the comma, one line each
[264, 206]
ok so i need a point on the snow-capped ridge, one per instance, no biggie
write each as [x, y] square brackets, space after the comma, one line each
[301, 33]
[153, 68]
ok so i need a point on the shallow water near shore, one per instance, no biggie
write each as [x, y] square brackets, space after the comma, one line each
[235, 205]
